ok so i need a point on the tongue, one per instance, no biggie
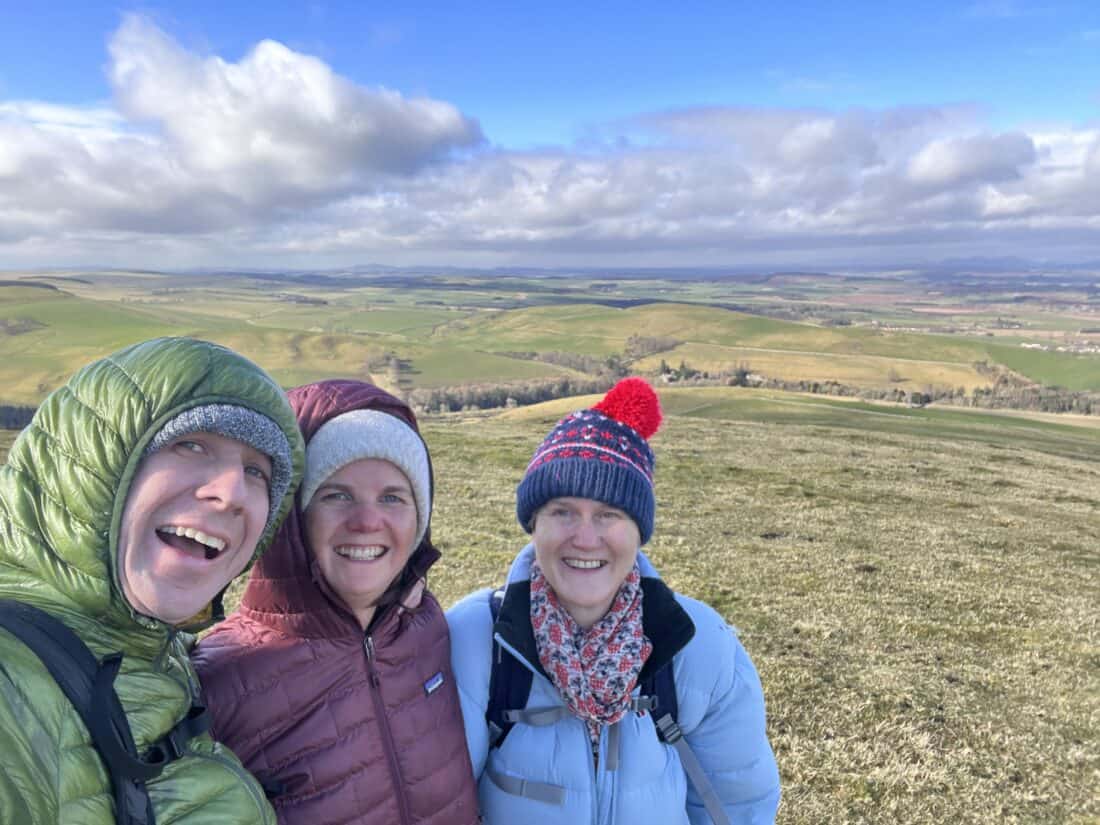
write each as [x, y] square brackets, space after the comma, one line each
[190, 546]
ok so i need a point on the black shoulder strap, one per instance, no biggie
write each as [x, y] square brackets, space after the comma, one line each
[509, 683]
[89, 686]
[659, 690]
[660, 687]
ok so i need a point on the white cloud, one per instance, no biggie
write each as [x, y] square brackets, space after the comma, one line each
[277, 160]
[277, 111]
[982, 158]
[197, 144]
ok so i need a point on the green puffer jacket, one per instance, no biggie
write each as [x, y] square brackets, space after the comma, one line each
[61, 499]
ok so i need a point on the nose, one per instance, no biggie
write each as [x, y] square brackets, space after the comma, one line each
[364, 517]
[225, 487]
[587, 535]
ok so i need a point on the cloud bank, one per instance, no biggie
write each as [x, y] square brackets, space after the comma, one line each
[278, 160]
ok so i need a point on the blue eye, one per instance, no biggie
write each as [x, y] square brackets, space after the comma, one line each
[257, 472]
[190, 446]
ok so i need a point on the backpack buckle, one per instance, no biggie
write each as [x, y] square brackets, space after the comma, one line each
[669, 730]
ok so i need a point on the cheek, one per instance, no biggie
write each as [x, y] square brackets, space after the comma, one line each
[259, 505]
[542, 554]
[408, 530]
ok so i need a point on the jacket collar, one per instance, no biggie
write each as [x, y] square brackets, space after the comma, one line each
[665, 623]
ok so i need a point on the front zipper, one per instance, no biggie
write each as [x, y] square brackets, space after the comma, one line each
[595, 776]
[387, 735]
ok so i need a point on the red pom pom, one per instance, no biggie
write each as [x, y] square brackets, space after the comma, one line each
[633, 402]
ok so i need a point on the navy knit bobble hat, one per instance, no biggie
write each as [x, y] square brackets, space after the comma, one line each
[601, 454]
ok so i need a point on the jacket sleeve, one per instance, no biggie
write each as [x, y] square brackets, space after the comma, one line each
[731, 742]
[30, 758]
[14, 804]
[471, 626]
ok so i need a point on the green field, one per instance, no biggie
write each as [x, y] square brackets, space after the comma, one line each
[1074, 372]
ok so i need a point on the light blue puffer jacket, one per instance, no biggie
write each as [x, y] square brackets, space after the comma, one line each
[721, 711]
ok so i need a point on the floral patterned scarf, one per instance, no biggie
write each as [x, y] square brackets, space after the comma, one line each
[594, 670]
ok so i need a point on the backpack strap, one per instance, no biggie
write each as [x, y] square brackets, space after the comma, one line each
[172, 745]
[509, 687]
[89, 686]
[658, 696]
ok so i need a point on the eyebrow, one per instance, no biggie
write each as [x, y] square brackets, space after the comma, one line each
[349, 488]
[260, 457]
[397, 488]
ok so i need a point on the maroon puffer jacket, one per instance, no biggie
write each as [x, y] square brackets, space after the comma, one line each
[340, 726]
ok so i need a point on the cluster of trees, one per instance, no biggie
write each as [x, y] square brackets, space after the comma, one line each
[491, 396]
[639, 346]
[572, 360]
[1002, 395]
[15, 417]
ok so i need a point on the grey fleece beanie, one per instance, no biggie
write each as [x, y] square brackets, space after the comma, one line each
[241, 424]
[370, 434]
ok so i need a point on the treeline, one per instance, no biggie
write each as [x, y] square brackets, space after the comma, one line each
[1003, 394]
[518, 394]
[15, 417]
[569, 360]
[636, 347]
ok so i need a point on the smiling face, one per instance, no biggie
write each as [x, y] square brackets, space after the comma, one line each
[586, 549]
[361, 525]
[193, 517]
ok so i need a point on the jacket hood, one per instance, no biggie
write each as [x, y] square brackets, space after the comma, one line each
[286, 590]
[65, 483]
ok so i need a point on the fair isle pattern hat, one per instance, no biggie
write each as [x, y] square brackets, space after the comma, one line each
[370, 434]
[601, 454]
[241, 424]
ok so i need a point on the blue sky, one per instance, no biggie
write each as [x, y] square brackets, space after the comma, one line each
[596, 126]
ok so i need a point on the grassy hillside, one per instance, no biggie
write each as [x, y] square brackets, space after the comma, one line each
[1074, 372]
[716, 338]
[852, 370]
[917, 588]
[50, 334]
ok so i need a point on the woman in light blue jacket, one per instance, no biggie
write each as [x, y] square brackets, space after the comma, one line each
[592, 694]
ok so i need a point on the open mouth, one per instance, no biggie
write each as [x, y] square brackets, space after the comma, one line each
[191, 541]
[359, 552]
[584, 564]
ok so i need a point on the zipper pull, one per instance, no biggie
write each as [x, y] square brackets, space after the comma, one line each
[368, 645]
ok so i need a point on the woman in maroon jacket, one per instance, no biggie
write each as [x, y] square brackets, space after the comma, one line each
[337, 696]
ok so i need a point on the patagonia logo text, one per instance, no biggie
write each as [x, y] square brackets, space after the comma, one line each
[433, 684]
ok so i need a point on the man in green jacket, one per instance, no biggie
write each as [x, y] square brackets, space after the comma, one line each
[138, 492]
